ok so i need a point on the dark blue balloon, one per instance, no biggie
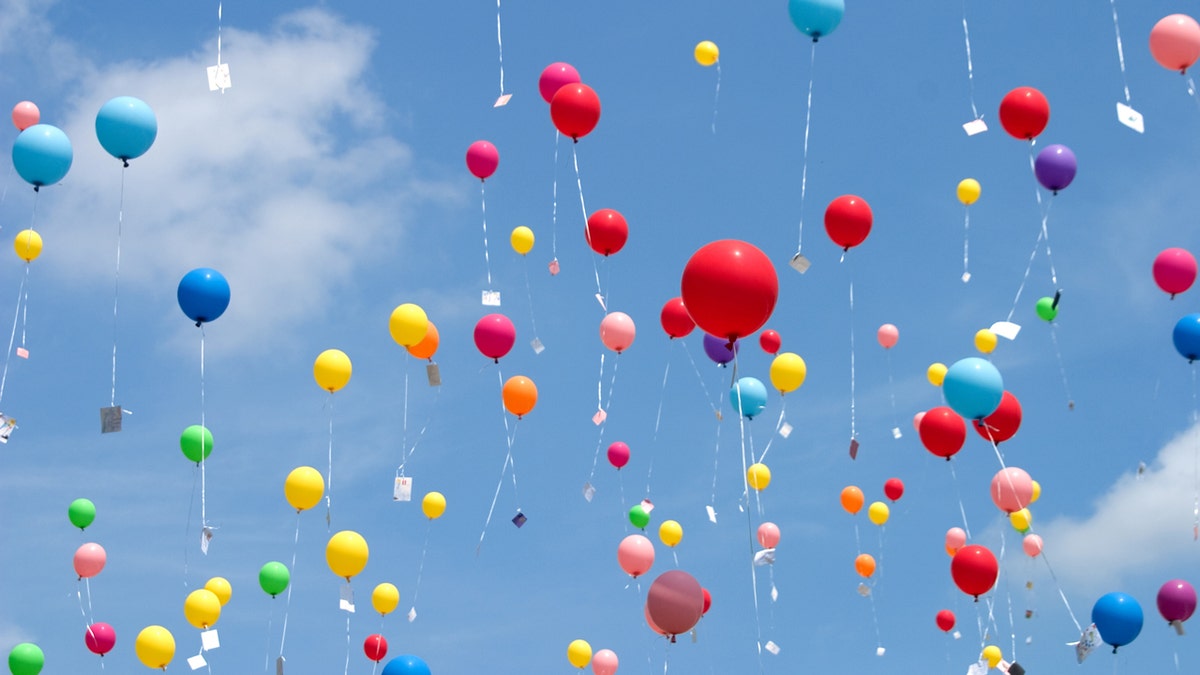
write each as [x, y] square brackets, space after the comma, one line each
[748, 396]
[718, 349]
[406, 664]
[1187, 337]
[42, 155]
[203, 295]
[126, 127]
[1118, 617]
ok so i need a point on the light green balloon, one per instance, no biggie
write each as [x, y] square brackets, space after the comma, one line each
[196, 443]
[274, 578]
[81, 512]
[26, 659]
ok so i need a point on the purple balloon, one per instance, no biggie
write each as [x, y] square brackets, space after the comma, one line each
[1055, 167]
[718, 349]
[1176, 600]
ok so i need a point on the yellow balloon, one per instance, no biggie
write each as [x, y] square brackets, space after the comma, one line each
[202, 608]
[155, 647]
[579, 653]
[332, 369]
[408, 324]
[346, 553]
[304, 488]
[1037, 491]
[221, 588]
[985, 340]
[707, 53]
[28, 245]
[1021, 520]
[670, 532]
[385, 598]
[433, 505]
[788, 371]
[968, 191]
[878, 513]
[759, 476]
[936, 374]
[992, 654]
[521, 239]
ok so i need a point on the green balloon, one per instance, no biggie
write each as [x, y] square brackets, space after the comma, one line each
[26, 659]
[639, 517]
[274, 577]
[1046, 310]
[196, 443]
[81, 512]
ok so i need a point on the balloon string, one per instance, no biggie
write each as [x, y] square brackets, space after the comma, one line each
[492, 508]
[970, 67]
[87, 587]
[288, 607]
[13, 336]
[500, 46]
[716, 98]
[892, 395]
[348, 615]
[662, 397]
[187, 526]
[421, 434]
[750, 538]
[404, 422]
[716, 460]
[621, 487]
[117, 282]
[529, 295]
[1008, 596]
[599, 409]
[421, 568]
[853, 429]
[1062, 595]
[587, 227]
[957, 493]
[778, 426]
[267, 646]
[554, 212]
[1062, 369]
[25, 306]
[219, 33]
[966, 275]
[703, 385]
[1044, 209]
[329, 473]
[1120, 50]
[203, 438]
[804, 163]
[509, 437]
[1191, 90]
[486, 258]
[1195, 464]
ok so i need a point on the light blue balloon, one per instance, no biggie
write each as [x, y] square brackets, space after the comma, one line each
[1186, 337]
[42, 155]
[406, 664]
[973, 388]
[748, 396]
[1118, 617]
[816, 18]
[126, 127]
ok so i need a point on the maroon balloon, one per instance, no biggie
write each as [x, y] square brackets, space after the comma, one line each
[942, 431]
[1002, 424]
[100, 638]
[770, 341]
[675, 319]
[606, 231]
[719, 350]
[730, 288]
[974, 570]
[375, 647]
[893, 488]
[1176, 600]
[675, 602]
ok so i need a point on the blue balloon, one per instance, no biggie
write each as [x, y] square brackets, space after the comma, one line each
[1118, 617]
[126, 127]
[203, 295]
[816, 18]
[406, 664]
[42, 155]
[973, 388]
[748, 396]
[1187, 337]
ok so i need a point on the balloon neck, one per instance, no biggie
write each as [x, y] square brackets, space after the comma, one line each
[36, 188]
[977, 598]
[575, 139]
[125, 164]
[1114, 650]
[673, 637]
[198, 322]
[1172, 296]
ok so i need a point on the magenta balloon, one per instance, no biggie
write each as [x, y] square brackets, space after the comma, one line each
[675, 602]
[718, 349]
[89, 560]
[482, 159]
[100, 638]
[1176, 600]
[1174, 270]
[1055, 167]
[605, 662]
[618, 454]
[554, 77]
[635, 554]
[617, 331]
[494, 336]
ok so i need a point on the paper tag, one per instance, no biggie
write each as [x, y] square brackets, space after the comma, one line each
[537, 345]
[880, 651]
[279, 665]
[896, 434]
[975, 127]
[502, 101]
[764, 557]
[588, 491]
[979, 668]
[22, 352]
[218, 77]
[402, 492]
[1088, 641]
[553, 267]
[519, 520]
[853, 448]
[491, 298]
[206, 535]
[1006, 329]
[774, 593]
[864, 590]
[694, 639]
[647, 506]
[433, 374]
[110, 419]
[7, 426]
[600, 299]
[772, 647]
[957, 635]
[1178, 626]
[712, 513]
[599, 417]
[800, 263]
[209, 640]
[346, 598]
[1130, 118]
[785, 430]
[412, 614]
[966, 277]
[197, 662]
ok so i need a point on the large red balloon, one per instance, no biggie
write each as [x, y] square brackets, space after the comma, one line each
[1002, 424]
[606, 231]
[942, 431]
[974, 570]
[675, 602]
[675, 319]
[375, 647]
[848, 220]
[1024, 113]
[575, 110]
[730, 288]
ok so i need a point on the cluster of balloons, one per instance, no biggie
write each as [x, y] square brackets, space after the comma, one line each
[574, 106]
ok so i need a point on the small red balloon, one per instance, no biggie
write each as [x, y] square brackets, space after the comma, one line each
[1024, 113]
[942, 431]
[707, 601]
[606, 231]
[848, 220]
[575, 110]
[730, 288]
[675, 319]
[100, 638]
[945, 620]
[1002, 424]
[893, 488]
[770, 341]
[375, 647]
[974, 570]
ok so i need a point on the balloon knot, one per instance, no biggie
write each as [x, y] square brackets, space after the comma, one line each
[198, 323]
[575, 139]
[35, 188]
[125, 164]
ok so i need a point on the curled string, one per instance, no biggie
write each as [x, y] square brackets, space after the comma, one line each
[486, 259]
[1120, 50]
[970, 68]
[292, 570]
[662, 397]
[716, 97]
[500, 47]
[117, 276]
[804, 169]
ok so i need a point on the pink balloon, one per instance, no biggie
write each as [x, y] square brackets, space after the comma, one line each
[635, 555]
[555, 76]
[618, 454]
[888, 335]
[89, 560]
[617, 331]
[768, 535]
[650, 622]
[956, 538]
[100, 638]
[482, 159]
[605, 662]
[25, 114]
[675, 602]
[917, 420]
[1012, 489]
[1176, 600]
[1174, 270]
[1175, 42]
[494, 336]
[1032, 544]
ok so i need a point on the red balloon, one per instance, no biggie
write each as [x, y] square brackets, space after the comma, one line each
[770, 341]
[730, 288]
[893, 488]
[606, 231]
[1024, 112]
[675, 319]
[945, 620]
[974, 570]
[848, 220]
[495, 335]
[100, 638]
[375, 647]
[1002, 424]
[707, 601]
[675, 602]
[575, 110]
[942, 431]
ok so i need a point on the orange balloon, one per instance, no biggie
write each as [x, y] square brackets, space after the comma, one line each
[852, 499]
[427, 347]
[864, 564]
[519, 394]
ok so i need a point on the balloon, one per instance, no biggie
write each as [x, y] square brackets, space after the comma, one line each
[768, 535]
[273, 577]
[196, 443]
[100, 638]
[848, 221]
[770, 341]
[346, 553]
[759, 476]
[482, 159]
[706, 53]
[385, 598]
[1032, 545]
[618, 454]
[635, 554]
[707, 601]
[25, 114]
[554, 77]
[42, 155]
[406, 664]
[992, 655]
[89, 560]
[81, 513]
[1176, 600]
[519, 395]
[1012, 489]
[1175, 42]
[427, 347]
[719, 350]
[888, 335]
[1174, 270]
[748, 396]
[494, 336]
[985, 341]
[968, 191]
[1037, 492]
[203, 295]
[617, 331]
[221, 588]
[1021, 519]
[1046, 309]
[974, 570]
[126, 127]
[936, 374]
[1187, 337]
[730, 288]
[304, 488]
[202, 608]
[1024, 113]
[675, 319]
[1003, 423]
[408, 324]
[893, 488]
[639, 517]
[956, 538]
[28, 245]
[579, 653]
[1118, 617]
[816, 18]
[606, 231]
[433, 505]
[878, 513]
[650, 622]
[852, 499]
[670, 533]
[155, 647]
[575, 110]
[788, 371]
[942, 432]
[1055, 167]
[521, 239]
[946, 620]
[675, 602]
[375, 647]
[864, 564]
[26, 658]
[973, 387]
[605, 662]
[917, 417]
[332, 370]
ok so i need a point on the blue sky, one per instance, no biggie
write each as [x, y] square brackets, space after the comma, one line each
[328, 185]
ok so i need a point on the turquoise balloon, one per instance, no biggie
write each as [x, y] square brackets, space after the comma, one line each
[973, 388]
[42, 155]
[748, 396]
[126, 127]
[816, 18]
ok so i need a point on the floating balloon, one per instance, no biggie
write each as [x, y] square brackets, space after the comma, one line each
[221, 588]
[707, 601]
[816, 18]
[26, 658]
[375, 647]
[408, 324]
[973, 387]
[942, 431]
[482, 159]
[1037, 492]
[768, 535]
[554, 77]
[730, 288]
[1046, 309]
[203, 295]
[332, 370]
[675, 602]
[428, 346]
[639, 517]
[770, 341]
[155, 647]
[1186, 337]
[605, 662]
[89, 560]
[42, 155]
[936, 374]
[1174, 270]
[521, 239]
[968, 191]
[848, 221]
[81, 513]
[606, 231]
[1118, 617]
[28, 245]
[519, 395]
[852, 499]
[1055, 167]
[1024, 113]
[992, 655]
[579, 653]
[196, 443]
[618, 454]
[985, 341]
[635, 554]
[1176, 600]
[406, 664]
[495, 335]
[706, 53]
[670, 533]
[878, 513]
[25, 114]
[126, 127]
[1032, 545]
[748, 396]
[758, 476]
[956, 538]
[304, 488]
[617, 331]
[575, 110]
[974, 570]
[202, 608]
[888, 335]
[893, 488]
[100, 638]
[346, 554]
[385, 598]
[719, 350]
[788, 371]
[1175, 42]
[273, 578]
[1012, 489]
[675, 319]
[1003, 423]
[433, 505]
[1021, 519]
[945, 620]
[864, 564]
